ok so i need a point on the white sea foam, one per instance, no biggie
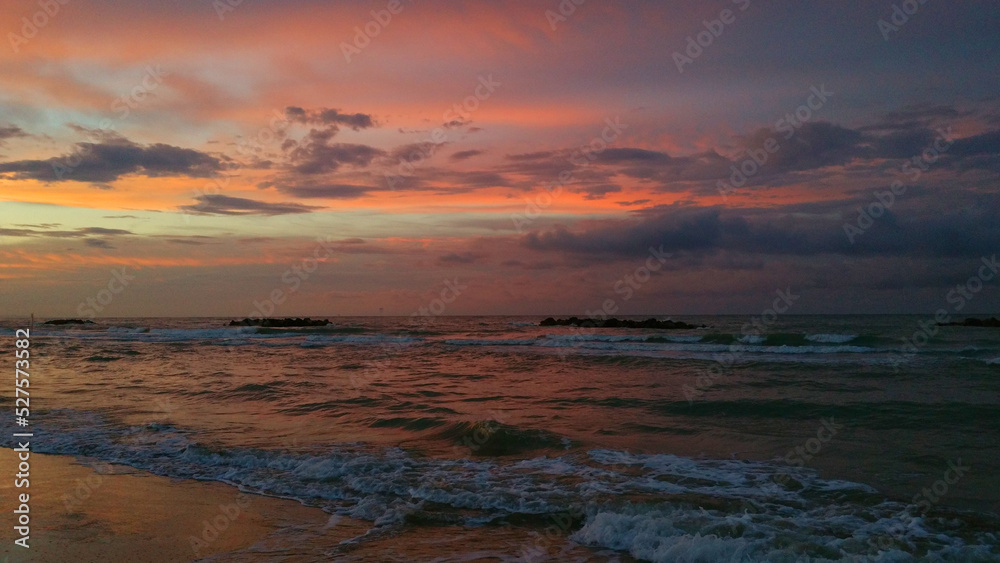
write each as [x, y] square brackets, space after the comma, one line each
[831, 338]
[748, 514]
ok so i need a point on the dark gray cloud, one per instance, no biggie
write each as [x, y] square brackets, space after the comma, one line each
[813, 145]
[192, 240]
[315, 154]
[460, 258]
[329, 191]
[10, 132]
[227, 205]
[413, 152]
[598, 191]
[40, 225]
[614, 156]
[540, 155]
[324, 116]
[984, 144]
[98, 243]
[47, 232]
[112, 158]
[904, 143]
[969, 230]
[464, 155]
[915, 117]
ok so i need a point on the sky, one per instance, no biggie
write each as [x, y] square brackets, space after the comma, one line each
[232, 158]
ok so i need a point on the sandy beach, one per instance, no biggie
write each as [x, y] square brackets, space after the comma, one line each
[116, 513]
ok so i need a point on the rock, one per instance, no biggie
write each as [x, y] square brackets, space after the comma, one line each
[280, 323]
[619, 323]
[991, 322]
[69, 322]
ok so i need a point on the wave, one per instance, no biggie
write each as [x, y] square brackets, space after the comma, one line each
[616, 343]
[654, 506]
[98, 358]
[831, 338]
[314, 340]
[490, 437]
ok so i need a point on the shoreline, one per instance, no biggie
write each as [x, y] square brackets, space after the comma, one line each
[114, 512]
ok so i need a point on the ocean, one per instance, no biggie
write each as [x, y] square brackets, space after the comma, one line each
[818, 438]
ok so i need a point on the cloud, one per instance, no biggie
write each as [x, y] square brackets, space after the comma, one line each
[227, 205]
[612, 156]
[10, 132]
[464, 155]
[799, 230]
[986, 143]
[813, 145]
[915, 117]
[414, 152]
[75, 233]
[316, 155]
[98, 243]
[326, 116]
[540, 155]
[109, 159]
[460, 258]
[328, 191]
[904, 143]
[40, 225]
[599, 191]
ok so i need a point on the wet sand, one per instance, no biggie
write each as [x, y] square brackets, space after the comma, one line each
[116, 513]
[110, 513]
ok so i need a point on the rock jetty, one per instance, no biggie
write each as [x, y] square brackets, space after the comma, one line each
[69, 322]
